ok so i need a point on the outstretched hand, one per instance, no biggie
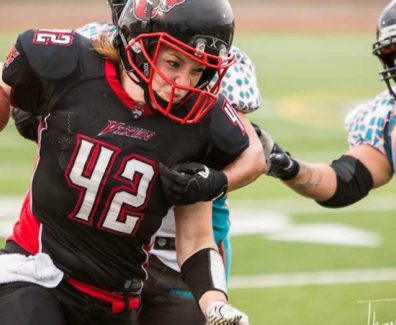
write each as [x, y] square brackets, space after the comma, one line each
[279, 163]
[190, 183]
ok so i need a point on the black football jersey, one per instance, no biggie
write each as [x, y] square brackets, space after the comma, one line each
[96, 199]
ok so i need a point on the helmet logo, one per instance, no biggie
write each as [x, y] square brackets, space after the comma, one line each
[139, 7]
[387, 32]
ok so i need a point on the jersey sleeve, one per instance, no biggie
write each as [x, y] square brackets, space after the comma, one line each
[239, 84]
[226, 136]
[372, 123]
[38, 60]
[94, 30]
[27, 87]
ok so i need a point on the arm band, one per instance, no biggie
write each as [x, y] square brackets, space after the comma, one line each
[354, 182]
[204, 271]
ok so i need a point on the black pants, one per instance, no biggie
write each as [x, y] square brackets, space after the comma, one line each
[28, 304]
[23, 303]
[166, 299]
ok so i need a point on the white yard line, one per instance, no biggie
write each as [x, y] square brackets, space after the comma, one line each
[271, 218]
[299, 205]
[9, 210]
[313, 278]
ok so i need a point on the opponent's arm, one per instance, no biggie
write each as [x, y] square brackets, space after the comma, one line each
[5, 108]
[345, 181]
[202, 267]
[317, 181]
[376, 162]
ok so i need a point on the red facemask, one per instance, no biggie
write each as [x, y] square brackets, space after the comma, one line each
[205, 96]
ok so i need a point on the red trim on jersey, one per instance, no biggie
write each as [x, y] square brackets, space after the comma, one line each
[26, 231]
[147, 248]
[117, 301]
[114, 82]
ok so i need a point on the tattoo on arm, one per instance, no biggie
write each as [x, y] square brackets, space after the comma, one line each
[309, 178]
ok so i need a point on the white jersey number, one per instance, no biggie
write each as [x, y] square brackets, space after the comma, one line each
[233, 117]
[89, 171]
[54, 37]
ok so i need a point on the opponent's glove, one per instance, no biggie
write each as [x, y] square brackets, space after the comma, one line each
[279, 163]
[189, 183]
[26, 123]
[220, 313]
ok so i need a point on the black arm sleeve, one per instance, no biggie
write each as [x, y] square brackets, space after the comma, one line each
[354, 182]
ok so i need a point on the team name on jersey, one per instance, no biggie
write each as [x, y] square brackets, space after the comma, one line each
[122, 129]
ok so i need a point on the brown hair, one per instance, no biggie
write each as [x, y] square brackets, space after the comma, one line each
[105, 48]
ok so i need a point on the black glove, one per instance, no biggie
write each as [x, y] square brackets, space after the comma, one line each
[26, 123]
[279, 163]
[189, 183]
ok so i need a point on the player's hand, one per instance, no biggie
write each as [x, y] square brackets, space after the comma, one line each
[279, 163]
[26, 123]
[189, 183]
[220, 313]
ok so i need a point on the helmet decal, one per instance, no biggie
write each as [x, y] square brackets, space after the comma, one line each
[139, 7]
[386, 32]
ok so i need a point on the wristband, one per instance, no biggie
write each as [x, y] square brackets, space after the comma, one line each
[204, 271]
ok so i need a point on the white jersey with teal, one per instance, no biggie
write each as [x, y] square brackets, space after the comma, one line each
[374, 123]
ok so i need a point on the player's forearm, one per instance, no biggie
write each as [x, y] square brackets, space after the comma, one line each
[193, 229]
[250, 164]
[317, 181]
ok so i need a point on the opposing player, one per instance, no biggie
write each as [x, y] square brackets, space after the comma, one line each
[370, 161]
[81, 243]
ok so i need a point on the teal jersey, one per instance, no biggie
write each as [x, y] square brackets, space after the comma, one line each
[221, 230]
[374, 123]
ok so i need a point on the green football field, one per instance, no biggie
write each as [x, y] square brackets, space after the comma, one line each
[308, 82]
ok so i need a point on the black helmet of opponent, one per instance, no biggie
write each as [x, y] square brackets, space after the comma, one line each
[116, 7]
[202, 30]
[385, 46]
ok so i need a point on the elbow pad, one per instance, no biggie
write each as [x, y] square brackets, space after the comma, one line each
[354, 182]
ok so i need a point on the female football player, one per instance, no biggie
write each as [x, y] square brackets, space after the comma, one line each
[166, 298]
[110, 117]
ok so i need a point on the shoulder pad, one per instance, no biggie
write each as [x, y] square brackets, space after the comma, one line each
[367, 123]
[239, 84]
[52, 54]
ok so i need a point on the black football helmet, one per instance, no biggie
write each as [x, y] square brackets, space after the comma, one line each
[116, 7]
[202, 30]
[385, 46]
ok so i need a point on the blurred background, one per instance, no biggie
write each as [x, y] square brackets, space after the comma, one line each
[294, 262]
[257, 15]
